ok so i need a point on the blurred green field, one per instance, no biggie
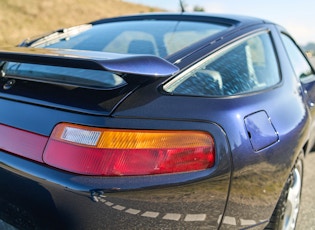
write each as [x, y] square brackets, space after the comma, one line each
[20, 19]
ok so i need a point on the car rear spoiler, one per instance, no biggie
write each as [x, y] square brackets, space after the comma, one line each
[148, 66]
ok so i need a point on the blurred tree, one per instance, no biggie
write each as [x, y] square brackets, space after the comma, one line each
[199, 9]
[309, 49]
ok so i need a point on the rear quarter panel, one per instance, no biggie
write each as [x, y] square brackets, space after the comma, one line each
[33, 195]
[258, 175]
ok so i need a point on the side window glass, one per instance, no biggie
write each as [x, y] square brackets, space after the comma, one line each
[246, 66]
[300, 65]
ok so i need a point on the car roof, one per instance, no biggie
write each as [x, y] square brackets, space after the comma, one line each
[230, 19]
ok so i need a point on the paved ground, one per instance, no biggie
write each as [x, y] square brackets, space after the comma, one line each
[306, 219]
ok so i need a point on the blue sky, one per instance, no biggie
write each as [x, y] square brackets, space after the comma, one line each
[297, 16]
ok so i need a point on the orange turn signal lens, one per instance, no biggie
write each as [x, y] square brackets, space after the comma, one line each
[97, 151]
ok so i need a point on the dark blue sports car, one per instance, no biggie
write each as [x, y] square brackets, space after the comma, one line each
[155, 121]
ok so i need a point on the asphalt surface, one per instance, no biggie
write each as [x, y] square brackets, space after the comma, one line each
[306, 219]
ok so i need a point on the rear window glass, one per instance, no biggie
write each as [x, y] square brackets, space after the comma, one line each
[157, 37]
[95, 79]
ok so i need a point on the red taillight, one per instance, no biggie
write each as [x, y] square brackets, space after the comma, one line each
[96, 151]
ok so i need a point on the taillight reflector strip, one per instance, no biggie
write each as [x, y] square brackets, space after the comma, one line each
[115, 152]
[22, 143]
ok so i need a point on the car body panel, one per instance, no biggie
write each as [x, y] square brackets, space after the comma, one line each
[247, 180]
[241, 190]
[263, 164]
[181, 197]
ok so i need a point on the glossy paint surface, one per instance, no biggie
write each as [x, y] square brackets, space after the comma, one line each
[162, 201]
[257, 137]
